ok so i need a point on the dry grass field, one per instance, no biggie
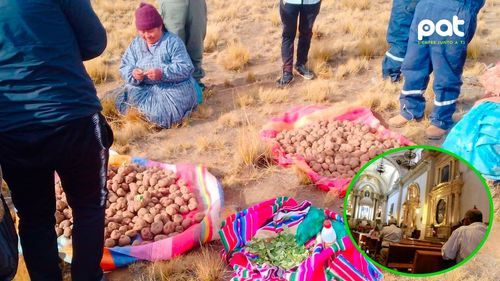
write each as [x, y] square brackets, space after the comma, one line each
[242, 61]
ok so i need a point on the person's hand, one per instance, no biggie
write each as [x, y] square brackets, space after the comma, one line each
[154, 74]
[138, 74]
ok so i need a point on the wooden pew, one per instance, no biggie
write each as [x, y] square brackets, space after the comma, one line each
[429, 261]
[371, 246]
[401, 256]
[363, 241]
[355, 235]
[420, 243]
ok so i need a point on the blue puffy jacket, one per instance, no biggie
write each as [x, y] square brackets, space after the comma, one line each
[42, 78]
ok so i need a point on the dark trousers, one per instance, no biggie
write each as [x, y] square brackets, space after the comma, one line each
[290, 13]
[78, 152]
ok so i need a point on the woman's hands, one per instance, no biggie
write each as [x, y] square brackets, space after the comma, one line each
[138, 74]
[154, 74]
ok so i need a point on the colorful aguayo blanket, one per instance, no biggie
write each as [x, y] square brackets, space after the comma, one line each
[342, 261]
[304, 115]
[210, 196]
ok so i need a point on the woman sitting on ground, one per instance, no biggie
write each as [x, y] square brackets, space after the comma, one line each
[157, 71]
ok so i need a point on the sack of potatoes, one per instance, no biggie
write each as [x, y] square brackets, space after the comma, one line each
[144, 204]
[328, 144]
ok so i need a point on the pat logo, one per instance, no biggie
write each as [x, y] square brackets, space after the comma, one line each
[443, 27]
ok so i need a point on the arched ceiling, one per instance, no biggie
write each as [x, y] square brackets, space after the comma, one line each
[383, 182]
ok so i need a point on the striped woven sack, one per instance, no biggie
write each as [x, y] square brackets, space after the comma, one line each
[210, 198]
[342, 261]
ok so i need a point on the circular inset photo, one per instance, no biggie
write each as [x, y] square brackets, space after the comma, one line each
[418, 211]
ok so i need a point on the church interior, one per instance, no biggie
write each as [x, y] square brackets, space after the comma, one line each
[425, 195]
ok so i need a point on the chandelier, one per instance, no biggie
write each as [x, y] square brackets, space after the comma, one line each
[381, 167]
[408, 161]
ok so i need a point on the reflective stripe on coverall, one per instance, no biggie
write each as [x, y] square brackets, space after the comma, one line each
[397, 36]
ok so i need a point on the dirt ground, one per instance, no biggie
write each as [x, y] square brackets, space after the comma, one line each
[346, 52]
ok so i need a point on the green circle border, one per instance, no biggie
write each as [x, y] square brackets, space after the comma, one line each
[388, 152]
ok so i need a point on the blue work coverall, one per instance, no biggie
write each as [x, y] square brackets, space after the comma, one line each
[443, 54]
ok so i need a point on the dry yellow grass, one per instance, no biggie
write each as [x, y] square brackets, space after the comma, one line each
[371, 47]
[250, 149]
[202, 111]
[320, 55]
[227, 13]
[202, 265]
[212, 38]
[97, 69]
[476, 48]
[381, 97]
[318, 91]
[352, 67]
[273, 95]
[357, 4]
[250, 78]
[235, 56]
[231, 119]
[245, 99]
[274, 18]
[475, 70]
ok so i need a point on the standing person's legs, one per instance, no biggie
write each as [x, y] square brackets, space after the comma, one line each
[449, 61]
[26, 165]
[397, 36]
[175, 16]
[416, 69]
[196, 30]
[289, 14]
[82, 167]
[307, 17]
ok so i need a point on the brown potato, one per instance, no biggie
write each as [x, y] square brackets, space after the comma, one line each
[61, 205]
[157, 227]
[192, 206]
[109, 243]
[160, 237]
[124, 241]
[123, 228]
[184, 210]
[186, 223]
[113, 226]
[115, 234]
[146, 234]
[179, 229]
[177, 218]
[168, 228]
[149, 218]
[59, 216]
[179, 201]
[131, 233]
[198, 217]
[136, 242]
[59, 231]
[65, 223]
[67, 213]
[140, 224]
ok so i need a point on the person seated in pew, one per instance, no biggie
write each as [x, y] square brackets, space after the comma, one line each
[389, 234]
[374, 233]
[466, 238]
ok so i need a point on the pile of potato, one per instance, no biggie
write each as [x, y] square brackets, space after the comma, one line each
[336, 149]
[151, 202]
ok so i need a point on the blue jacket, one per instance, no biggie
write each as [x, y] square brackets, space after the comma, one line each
[42, 78]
